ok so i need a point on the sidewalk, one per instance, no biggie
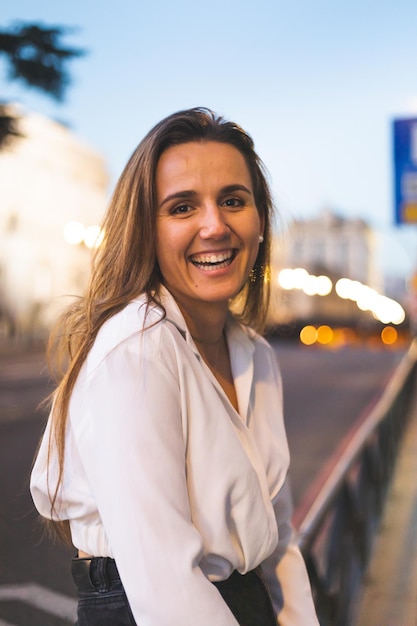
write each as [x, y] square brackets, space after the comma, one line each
[390, 586]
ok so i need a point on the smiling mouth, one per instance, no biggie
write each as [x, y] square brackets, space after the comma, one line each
[212, 261]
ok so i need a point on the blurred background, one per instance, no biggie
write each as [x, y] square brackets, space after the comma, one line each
[317, 86]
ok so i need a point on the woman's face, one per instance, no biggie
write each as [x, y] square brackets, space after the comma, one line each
[208, 226]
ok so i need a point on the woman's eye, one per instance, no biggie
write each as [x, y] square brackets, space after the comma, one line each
[181, 209]
[233, 202]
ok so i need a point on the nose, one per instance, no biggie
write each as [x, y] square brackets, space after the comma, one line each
[213, 223]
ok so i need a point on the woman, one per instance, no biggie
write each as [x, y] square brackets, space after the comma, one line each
[165, 452]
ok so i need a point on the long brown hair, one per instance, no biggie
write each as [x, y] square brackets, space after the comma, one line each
[125, 264]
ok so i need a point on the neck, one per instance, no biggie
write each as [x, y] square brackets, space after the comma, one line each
[208, 342]
[205, 323]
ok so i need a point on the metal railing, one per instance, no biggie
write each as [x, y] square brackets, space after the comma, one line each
[337, 521]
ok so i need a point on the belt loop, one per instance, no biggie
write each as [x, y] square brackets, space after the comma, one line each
[101, 573]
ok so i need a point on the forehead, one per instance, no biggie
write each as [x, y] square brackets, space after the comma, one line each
[202, 158]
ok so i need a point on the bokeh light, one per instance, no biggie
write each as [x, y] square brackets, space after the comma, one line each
[389, 335]
[308, 335]
[324, 334]
[74, 233]
[93, 236]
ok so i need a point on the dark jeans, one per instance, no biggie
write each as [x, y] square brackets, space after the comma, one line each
[103, 602]
[101, 598]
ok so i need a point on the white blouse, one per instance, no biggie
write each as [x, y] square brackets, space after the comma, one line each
[162, 474]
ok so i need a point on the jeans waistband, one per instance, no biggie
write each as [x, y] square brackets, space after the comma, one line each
[95, 574]
[246, 595]
[90, 573]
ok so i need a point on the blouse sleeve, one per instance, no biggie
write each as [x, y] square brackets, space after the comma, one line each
[127, 425]
[286, 573]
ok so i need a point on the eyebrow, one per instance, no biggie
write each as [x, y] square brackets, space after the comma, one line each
[179, 195]
[190, 193]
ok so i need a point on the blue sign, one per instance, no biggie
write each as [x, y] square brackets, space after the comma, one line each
[405, 170]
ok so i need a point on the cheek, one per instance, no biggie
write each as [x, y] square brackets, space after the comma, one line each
[162, 251]
[171, 245]
[253, 231]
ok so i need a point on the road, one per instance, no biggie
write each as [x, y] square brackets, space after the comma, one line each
[324, 392]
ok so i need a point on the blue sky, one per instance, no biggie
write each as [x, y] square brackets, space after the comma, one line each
[317, 85]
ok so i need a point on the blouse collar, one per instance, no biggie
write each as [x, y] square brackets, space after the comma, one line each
[240, 341]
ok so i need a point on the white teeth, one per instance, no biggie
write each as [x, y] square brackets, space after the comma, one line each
[211, 262]
[212, 258]
[212, 268]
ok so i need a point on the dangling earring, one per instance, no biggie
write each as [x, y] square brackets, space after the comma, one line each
[257, 273]
[261, 238]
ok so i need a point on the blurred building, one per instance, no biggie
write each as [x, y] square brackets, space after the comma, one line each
[49, 179]
[339, 246]
[327, 245]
